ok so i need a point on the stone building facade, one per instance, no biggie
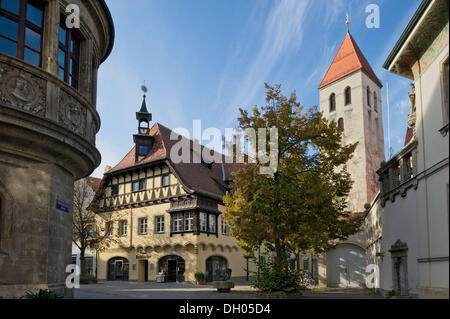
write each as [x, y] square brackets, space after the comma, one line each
[48, 124]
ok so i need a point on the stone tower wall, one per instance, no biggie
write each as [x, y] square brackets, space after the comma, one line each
[358, 128]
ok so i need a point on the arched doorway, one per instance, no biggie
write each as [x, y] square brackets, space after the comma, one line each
[214, 265]
[118, 268]
[173, 266]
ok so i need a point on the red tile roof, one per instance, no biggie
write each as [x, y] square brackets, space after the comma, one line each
[409, 135]
[348, 59]
[196, 176]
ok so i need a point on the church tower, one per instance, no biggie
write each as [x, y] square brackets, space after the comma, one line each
[350, 94]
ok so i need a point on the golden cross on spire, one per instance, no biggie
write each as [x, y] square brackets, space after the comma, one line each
[347, 22]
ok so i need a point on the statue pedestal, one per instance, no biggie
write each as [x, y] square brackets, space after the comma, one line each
[223, 286]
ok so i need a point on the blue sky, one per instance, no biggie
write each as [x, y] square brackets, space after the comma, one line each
[203, 59]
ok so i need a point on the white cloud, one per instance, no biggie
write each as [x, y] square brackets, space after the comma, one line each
[282, 32]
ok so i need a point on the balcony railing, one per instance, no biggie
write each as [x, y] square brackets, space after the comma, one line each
[398, 175]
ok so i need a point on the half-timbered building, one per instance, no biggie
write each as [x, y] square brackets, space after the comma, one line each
[166, 216]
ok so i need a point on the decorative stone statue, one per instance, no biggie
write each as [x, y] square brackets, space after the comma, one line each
[412, 108]
[412, 99]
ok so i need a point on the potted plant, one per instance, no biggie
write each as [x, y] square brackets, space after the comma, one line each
[199, 278]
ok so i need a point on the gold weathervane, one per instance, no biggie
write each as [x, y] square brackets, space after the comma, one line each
[347, 22]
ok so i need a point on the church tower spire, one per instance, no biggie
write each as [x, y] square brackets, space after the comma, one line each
[350, 95]
[143, 140]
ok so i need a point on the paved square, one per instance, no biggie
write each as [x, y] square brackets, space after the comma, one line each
[153, 290]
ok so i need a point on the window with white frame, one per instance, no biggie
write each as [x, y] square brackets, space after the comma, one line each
[142, 226]
[159, 224]
[203, 221]
[225, 228]
[306, 263]
[165, 180]
[212, 223]
[142, 184]
[177, 222]
[123, 228]
[188, 221]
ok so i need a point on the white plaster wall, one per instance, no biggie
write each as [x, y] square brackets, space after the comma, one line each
[433, 146]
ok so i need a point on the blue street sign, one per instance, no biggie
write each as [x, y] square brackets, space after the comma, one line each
[62, 207]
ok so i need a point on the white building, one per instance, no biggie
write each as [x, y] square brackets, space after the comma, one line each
[408, 223]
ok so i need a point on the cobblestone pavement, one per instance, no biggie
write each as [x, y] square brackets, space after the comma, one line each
[153, 290]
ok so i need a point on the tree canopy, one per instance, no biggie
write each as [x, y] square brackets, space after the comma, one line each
[302, 205]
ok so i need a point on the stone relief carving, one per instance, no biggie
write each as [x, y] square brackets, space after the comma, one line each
[72, 114]
[22, 90]
[92, 131]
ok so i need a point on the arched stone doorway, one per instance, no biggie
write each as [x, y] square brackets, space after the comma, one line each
[173, 266]
[118, 268]
[214, 265]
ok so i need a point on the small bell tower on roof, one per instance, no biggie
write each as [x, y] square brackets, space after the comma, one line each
[143, 140]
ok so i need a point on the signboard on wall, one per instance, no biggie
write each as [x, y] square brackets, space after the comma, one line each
[61, 206]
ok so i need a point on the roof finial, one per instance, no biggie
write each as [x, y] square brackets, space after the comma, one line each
[348, 23]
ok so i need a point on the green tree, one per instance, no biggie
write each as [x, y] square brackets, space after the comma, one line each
[303, 204]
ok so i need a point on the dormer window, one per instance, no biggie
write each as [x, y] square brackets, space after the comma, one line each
[143, 150]
[21, 28]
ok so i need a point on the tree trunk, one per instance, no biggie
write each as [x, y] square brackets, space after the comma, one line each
[278, 255]
[82, 263]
